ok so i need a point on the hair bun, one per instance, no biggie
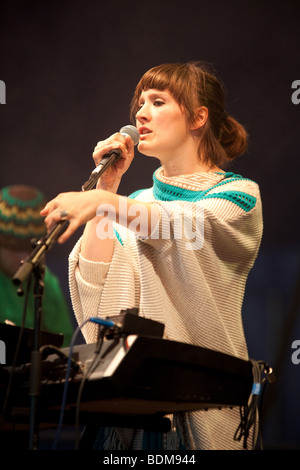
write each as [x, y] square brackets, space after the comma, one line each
[233, 137]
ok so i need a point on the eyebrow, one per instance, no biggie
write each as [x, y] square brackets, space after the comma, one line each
[155, 93]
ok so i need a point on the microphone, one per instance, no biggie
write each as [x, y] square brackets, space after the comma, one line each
[110, 158]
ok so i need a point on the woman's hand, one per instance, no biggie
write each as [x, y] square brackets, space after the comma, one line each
[77, 207]
[80, 207]
[111, 178]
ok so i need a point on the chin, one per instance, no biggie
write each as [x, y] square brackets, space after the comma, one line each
[145, 149]
[142, 148]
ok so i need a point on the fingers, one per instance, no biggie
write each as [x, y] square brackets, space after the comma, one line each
[72, 227]
[50, 208]
[53, 218]
[115, 142]
[45, 210]
[76, 207]
[54, 211]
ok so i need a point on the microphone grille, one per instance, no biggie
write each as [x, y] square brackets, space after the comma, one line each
[132, 132]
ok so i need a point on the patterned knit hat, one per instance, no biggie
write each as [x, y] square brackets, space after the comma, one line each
[20, 219]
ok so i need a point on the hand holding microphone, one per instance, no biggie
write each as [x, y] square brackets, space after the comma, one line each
[76, 208]
[110, 151]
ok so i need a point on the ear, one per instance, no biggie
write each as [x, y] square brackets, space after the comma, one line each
[201, 118]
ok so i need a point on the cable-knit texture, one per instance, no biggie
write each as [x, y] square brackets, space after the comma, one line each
[196, 293]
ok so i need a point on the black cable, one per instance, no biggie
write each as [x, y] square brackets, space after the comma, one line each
[16, 355]
[93, 365]
[64, 397]
[49, 349]
[250, 412]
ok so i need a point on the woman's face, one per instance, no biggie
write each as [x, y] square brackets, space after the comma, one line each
[163, 126]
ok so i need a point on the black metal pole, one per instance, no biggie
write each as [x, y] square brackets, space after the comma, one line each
[35, 362]
[34, 265]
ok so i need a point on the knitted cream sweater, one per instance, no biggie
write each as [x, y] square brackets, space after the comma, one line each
[197, 289]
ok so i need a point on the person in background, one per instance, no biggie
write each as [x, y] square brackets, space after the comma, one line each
[20, 223]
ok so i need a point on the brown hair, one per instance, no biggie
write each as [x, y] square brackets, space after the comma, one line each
[193, 85]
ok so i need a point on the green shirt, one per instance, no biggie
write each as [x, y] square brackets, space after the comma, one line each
[55, 312]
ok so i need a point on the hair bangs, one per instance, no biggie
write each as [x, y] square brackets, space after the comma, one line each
[162, 77]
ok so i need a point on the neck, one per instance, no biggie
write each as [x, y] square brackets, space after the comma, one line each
[183, 167]
[185, 160]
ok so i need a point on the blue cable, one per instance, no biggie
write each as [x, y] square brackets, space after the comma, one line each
[99, 321]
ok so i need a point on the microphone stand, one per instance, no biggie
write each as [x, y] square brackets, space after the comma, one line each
[33, 264]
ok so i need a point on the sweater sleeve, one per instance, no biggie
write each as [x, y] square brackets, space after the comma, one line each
[86, 280]
[101, 289]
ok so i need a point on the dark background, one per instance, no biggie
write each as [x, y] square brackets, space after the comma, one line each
[70, 69]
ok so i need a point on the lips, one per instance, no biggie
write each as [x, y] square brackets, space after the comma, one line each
[144, 130]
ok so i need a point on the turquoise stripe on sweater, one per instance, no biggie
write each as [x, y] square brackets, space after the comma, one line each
[168, 192]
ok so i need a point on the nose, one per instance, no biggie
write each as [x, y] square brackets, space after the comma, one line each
[143, 114]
